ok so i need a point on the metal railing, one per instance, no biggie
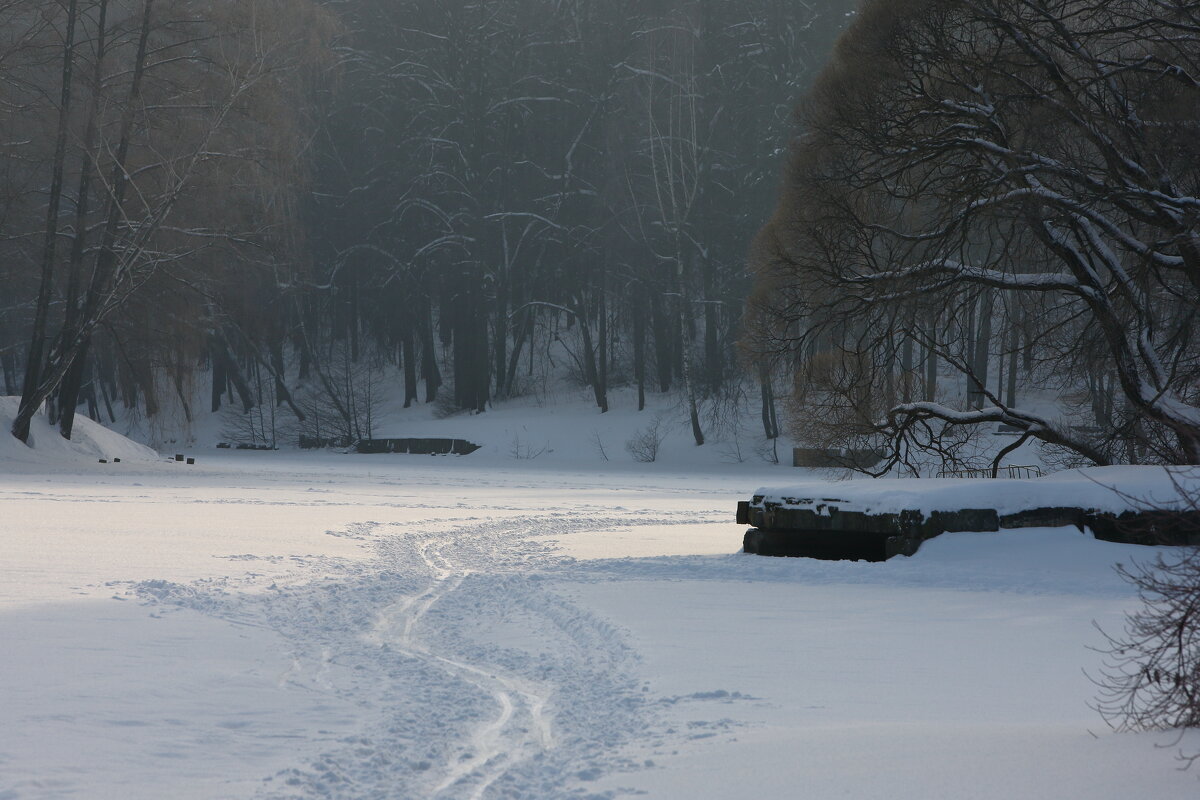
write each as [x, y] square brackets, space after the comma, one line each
[1005, 471]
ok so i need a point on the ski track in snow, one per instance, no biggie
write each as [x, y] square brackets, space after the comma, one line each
[473, 677]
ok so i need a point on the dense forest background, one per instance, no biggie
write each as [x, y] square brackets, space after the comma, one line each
[987, 219]
[286, 199]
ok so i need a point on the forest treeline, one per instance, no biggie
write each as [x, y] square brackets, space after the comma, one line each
[285, 197]
[991, 220]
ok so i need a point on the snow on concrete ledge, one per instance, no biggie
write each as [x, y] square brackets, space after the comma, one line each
[1099, 489]
[89, 442]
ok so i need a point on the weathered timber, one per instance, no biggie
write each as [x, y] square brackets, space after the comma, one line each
[830, 545]
[964, 519]
[1150, 527]
[1056, 517]
[421, 446]
[824, 530]
[318, 442]
[820, 528]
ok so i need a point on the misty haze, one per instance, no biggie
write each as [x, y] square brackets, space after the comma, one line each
[539, 399]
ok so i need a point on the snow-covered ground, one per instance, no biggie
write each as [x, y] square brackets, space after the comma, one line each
[286, 625]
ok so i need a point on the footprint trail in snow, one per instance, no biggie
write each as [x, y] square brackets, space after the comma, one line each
[472, 676]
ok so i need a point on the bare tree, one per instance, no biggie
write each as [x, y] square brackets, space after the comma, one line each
[674, 145]
[174, 151]
[30, 399]
[956, 150]
[1150, 679]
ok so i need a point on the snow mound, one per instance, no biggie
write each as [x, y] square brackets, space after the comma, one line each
[89, 442]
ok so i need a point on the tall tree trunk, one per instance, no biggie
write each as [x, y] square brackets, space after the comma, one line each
[460, 323]
[408, 352]
[589, 358]
[220, 379]
[769, 419]
[352, 314]
[8, 363]
[1026, 348]
[472, 357]
[429, 366]
[177, 379]
[602, 349]
[979, 358]
[31, 394]
[89, 394]
[1014, 346]
[929, 391]
[685, 346]
[483, 366]
[221, 350]
[515, 357]
[662, 341]
[68, 393]
[106, 377]
[967, 356]
[304, 318]
[500, 338]
[283, 395]
[639, 348]
[714, 363]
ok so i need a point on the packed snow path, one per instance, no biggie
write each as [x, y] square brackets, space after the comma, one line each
[274, 627]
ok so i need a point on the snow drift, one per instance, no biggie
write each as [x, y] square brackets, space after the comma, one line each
[90, 442]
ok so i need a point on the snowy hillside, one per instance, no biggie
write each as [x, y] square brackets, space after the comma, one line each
[550, 429]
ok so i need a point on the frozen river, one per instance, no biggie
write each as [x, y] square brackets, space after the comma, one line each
[266, 625]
